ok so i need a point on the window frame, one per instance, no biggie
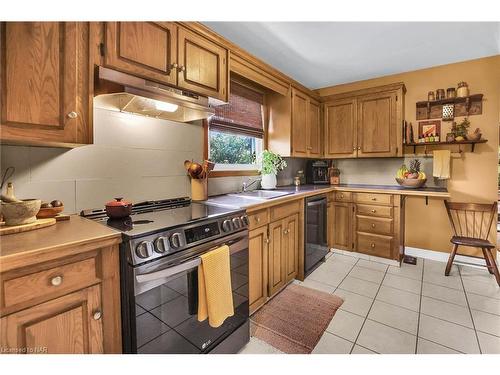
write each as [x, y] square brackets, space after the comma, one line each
[206, 140]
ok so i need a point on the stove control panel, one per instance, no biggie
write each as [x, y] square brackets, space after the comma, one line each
[168, 242]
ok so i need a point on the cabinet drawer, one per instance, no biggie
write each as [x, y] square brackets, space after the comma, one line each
[258, 219]
[374, 225]
[285, 210]
[372, 210]
[373, 244]
[343, 196]
[44, 284]
[382, 199]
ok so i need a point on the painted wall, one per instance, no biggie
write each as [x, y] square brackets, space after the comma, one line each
[136, 157]
[474, 177]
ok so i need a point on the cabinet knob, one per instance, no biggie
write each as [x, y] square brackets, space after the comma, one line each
[257, 219]
[267, 240]
[373, 225]
[372, 245]
[56, 281]
[286, 231]
[341, 195]
[174, 66]
[309, 148]
[374, 211]
[97, 315]
[72, 114]
[374, 199]
[359, 148]
[182, 68]
[354, 148]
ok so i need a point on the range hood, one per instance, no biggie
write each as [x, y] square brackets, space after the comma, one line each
[127, 93]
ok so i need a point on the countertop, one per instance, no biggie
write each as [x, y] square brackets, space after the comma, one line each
[64, 238]
[303, 191]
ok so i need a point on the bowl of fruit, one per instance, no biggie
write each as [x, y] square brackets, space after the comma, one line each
[412, 178]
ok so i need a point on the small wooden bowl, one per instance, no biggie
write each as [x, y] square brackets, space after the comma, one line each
[46, 213]
[411, 183]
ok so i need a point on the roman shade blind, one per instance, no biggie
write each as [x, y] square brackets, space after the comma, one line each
[242, 115]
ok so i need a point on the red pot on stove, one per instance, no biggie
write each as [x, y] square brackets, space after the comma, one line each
[118, 208]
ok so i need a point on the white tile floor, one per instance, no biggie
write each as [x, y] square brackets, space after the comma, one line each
[407, 309]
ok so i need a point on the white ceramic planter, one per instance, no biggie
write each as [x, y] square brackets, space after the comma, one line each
[268, 181]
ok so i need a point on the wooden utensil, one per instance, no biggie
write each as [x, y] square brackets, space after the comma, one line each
[187, 164]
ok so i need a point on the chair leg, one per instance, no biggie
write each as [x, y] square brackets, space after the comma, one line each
[487, 260]
[450, 260]
[493, 266]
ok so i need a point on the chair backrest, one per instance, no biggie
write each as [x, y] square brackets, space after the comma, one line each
[472, 220]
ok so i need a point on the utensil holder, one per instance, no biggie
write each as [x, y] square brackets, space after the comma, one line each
[199, 191]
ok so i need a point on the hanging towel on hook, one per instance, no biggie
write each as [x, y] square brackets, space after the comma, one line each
[441, 164]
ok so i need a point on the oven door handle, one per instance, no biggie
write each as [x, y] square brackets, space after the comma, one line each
[234, 247]
[167, 272]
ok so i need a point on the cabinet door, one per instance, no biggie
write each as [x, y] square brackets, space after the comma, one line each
[330, 224]
[377, 125]
[70, 324]
[202, 65]
[45, 83]
[257, 245]
[299, 123]
[340, 129]
[342, 225]
[291, 247]
[314, 129]
[277, 257]
[146, 49]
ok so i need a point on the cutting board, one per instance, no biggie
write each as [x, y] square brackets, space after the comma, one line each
[39, 223]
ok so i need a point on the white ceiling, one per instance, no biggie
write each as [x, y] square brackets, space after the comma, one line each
[319, 54]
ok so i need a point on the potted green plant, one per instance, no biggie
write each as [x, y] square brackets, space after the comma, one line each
[271, 164]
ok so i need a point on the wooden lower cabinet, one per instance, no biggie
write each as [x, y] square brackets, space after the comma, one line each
[342, 225]
[258, 250]
[367, 223]
[68, 324]
[67, 305]
[273, 252]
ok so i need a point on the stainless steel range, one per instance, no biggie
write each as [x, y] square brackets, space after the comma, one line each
[162, 243]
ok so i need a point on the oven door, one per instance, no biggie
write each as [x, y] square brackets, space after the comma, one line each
[166, 302]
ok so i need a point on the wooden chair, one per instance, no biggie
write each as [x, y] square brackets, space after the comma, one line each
[471, 223]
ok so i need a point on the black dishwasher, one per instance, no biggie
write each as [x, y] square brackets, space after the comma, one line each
[316, 246]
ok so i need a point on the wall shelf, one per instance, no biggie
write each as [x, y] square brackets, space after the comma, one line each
[466, 106]
[472, 143]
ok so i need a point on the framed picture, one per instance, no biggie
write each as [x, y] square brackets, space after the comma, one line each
[428, 128]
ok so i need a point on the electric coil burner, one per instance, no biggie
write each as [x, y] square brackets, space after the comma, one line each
[159, 257]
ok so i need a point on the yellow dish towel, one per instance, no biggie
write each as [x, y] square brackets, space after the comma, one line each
[215, 296]
[441, 164]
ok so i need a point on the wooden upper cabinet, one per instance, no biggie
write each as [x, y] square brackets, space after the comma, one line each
[314, 133]
[365, 123]
[299, 123]
[306, 125]
[202, 65]
[377, 133]
[67, 325]
[45, 83]
[340, 129]
[146, 49]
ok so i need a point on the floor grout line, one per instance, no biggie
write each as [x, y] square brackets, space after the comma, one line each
[470, 313]
[420, 305]
[368, 313]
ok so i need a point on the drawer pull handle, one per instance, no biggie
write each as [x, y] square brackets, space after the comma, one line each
[72, 115]
[373, 225]
[341, 195]
[374, 199]
[56, 281]
[267, 240]
[97, 315]
[372, 245]
[257, 219]
[374, 210]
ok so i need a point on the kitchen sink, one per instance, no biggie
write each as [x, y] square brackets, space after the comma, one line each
[261, 194]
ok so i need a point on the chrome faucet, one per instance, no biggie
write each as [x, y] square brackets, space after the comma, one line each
[246, 184]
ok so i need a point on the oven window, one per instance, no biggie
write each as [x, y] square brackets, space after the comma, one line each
[166, 316]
